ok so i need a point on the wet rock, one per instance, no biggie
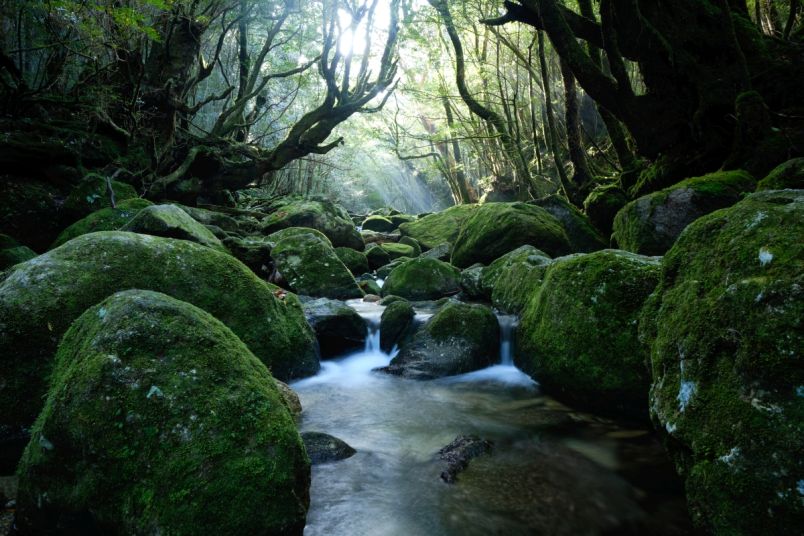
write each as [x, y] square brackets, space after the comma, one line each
[440, 252]
[170, 221]
[422, 279]
[494, 229]
[151, 397]
[459, 453]
[435, 229]
[371, 298]
[324, 448]
[396, 320]
[290, 398]
[337, 326]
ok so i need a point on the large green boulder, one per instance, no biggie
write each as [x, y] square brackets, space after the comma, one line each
[311, 267]
[494, 229]
[105, 219]
[354, 260]
[377, 257]
[395, 323]
[789, 174]
[39, 300]
[726, 347]
[253, 251]
[325, 216]
[170, 221]
[435, 229]
[583, 236]
[603, 203]
[338, 328]
[399, 219]
[649, 225]
[516, 285]
[93, 193]
[526, 254]
[159, 420]
[378, 223]
[274, 238]
[578, 336]
[396, 250]
[211, 217]
[422, 279]
[459, 338]
[11, 252]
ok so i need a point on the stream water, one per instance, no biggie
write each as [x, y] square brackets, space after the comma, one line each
[552, 470]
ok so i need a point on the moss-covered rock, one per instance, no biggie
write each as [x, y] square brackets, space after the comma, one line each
[435, 229]
[494, 229]
[459, 338]
[578, 335]
[377, 223]
[39, 300]
[422, 279]
[355, 261]
[274, 238]
[790, 174]
[412, 242]
[325, 216]
[311, 267]
[583, 236]
[399, 219]
[377, 257]
[441, 252]
[11, 252]
[170, 221]
[30, 211]
[516, 285]
[161, 421]
[369, 286]
[649, 225]
[324, 448]
[603, 203]
[211, 217]
[337, 326]
[253, 251]
[395, 323]
[523, 254]
[105, 219]
[472, 282]
[92, 194]
[726, 346]
[396, 250]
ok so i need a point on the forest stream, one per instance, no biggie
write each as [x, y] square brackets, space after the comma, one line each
[586, 475]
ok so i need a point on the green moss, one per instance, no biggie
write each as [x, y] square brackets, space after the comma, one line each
[578, 334]
[171, 221]
[395, 324]
[603, 203]
[399, 219]
[210, 217]
[105, 219]
[725, 332]
[494, 229]
[583, 236]
[160, 420]
[435, 229]
[11, 252]
[92, 194]
[39, 300]
[355, 261]
[311, 267]
[422, 279]
[379, 224]
[325, 216]
[396, 250]
[651, 224]
[412, 242]
[787, 175]
[516, 285]
[253, 251]
[472, 282]
[377, 257]
[523, 254]
[274, 238]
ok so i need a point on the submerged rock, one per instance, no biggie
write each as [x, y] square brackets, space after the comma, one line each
[311, 267]
[578, 335]
[726, 344]
[39, 300]
[170, 221]
[325, 216]
[438, 228]
[458, 338]
[649, 225]
[105, 219]
[422, 279]
[337, 326]
[494, 229]
[459, 453]
[324, 448]
[160, 420]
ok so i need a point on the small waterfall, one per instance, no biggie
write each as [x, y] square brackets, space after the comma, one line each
[508, 324]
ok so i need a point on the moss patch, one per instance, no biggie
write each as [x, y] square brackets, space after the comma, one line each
[355, 261]
[105, 219]
[435, 229]
[171, 221]
[422, 279]
[787, 175]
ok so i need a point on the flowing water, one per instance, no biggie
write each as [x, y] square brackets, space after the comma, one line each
[552, 470]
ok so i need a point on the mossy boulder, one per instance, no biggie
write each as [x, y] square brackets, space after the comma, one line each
[516, 285]
[311, 267]
[440, 252]
[377, 257]
[338, 327]
[583, 236]
[649, 225]
[211, 217]
[170, 221]
[92, 193]
[11, 252]
[472, 282]
[355, 261]
[578, 335]
[253, 251]
[437, 228]
[325, 216]
[377, 223]
[459, 338]
[726, 344]
[30, 211]
[399, 219]
[494, 229]
[160, 420]
[369, 286]
[396, 250]
[790, 174]
[395, 323]
[39, 300]
[412, 242]
[274, 238]
[105, 219]
[603, 203]
[526, 254]
[422, 279]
